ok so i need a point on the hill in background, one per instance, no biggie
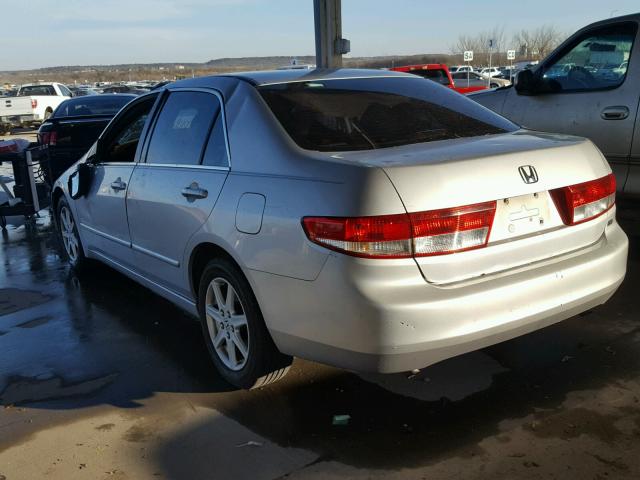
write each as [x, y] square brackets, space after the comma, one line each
[172, 71]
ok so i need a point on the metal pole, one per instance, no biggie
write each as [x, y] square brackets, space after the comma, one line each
[330, 46]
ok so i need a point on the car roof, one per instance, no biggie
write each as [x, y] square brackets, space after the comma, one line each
[97, 98]
[270, 77]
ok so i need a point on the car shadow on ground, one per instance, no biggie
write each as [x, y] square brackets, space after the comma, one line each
[127, 344]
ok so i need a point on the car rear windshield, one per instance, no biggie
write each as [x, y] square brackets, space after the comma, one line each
[43, 90]
[437, 75]
[372, 113]
[91, 106]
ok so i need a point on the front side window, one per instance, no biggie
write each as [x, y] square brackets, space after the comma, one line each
[182, 128]
[372, 113]
[123, 137]
[598, 60]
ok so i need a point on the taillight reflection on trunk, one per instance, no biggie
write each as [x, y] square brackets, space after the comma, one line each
[435, 232]
[584, 201]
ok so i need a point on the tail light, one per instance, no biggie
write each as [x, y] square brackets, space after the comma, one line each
[34, 103]
[584, 201]
[435, 232]
[48, 138]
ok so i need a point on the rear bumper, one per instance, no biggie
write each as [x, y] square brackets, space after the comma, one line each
[382, 316]
[18, 119]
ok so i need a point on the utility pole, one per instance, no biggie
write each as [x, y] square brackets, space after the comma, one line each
[330, 46]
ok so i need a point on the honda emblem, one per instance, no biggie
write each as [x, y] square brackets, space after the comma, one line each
[528, 174]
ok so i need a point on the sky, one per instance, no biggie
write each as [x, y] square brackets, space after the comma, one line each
[42, 33]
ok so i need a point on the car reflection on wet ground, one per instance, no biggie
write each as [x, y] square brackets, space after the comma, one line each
[100, 378]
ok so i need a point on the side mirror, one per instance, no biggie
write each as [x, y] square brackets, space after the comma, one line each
[525, 82]
[79, 181]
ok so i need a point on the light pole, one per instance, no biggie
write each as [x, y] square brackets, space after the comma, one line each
[330, 46]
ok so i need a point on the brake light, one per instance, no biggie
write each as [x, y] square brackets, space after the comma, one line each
[48, 138]
[585, 201]
[34, 103]
[435, 232]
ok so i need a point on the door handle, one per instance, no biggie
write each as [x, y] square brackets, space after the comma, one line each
[615, 113]
[194, 191]
[118, 184]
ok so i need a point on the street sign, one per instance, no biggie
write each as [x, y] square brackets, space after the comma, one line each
[511, 54]
[468, 56]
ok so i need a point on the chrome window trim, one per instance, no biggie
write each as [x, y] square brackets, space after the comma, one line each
[115, 164]
[180, 165]
[223, 112]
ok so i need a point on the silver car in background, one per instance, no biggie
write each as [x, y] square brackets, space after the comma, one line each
[364, 219]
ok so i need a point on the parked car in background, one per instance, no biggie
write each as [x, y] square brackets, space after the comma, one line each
[363, 218]
[33, 104]
[83, 91]
[477, 82]
[490, 72]
[125, 89]
[461, 68]
[437, 72]
[75, 126]
[589, 86]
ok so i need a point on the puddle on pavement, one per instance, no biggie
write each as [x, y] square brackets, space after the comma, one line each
[14, 299]
[36, 322]
[24, 390]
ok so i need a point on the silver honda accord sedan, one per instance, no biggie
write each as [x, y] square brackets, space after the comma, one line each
[366, 219]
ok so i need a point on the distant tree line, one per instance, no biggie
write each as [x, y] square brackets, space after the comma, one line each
[533, 44]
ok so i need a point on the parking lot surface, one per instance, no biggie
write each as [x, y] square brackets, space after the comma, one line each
[100, 378]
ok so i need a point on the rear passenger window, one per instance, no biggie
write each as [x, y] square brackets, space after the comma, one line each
[182, 128]
[216, 153]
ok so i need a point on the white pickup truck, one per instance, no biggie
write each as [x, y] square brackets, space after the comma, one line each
[33, 104]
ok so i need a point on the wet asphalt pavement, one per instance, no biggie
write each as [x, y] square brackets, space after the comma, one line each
[100, 378]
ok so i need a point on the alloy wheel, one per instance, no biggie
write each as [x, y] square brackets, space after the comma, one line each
[68, 231]
[227, 324]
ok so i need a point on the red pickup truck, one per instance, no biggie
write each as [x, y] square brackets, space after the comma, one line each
[438, 72]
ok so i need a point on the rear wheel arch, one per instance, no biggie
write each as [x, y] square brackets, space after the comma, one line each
[199, 258]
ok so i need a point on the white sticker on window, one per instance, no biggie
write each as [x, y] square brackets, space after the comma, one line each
[184, 118]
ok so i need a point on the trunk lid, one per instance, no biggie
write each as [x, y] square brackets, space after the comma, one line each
[527, 225]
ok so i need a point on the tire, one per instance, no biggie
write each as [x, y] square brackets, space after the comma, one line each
[494, 85]
[237, 326]
[69, 237]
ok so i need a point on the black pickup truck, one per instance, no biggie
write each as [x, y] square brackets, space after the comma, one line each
[74, 126]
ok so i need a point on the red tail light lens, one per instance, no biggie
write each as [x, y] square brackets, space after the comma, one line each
[34, 103]
[387, 236]
[585, 201]
[435, 232]
[48, 138]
